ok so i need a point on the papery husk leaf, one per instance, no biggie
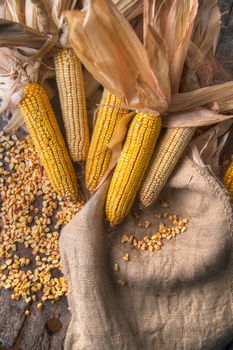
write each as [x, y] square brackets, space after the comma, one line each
[14, 123]
[200, 65]
[16, 34]
[226, 105]
[113, 162]
[15, 10]
[172, 21]
[201, 97]
[193, 118]
[31, 19]
[15, 72]
[58, 6]
[120, 64]
[45, 21]
[129, 8]
[120, 131]
[47, 47]
[158, 57]
[207, 27]
[206, 148]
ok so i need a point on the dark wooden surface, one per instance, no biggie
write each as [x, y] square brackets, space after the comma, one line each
[46, 329]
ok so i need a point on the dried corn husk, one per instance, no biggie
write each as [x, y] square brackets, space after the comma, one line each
[17, 34]
[91, 33]
[126, 54]
[129, 8]
[207, 147]
[194, 118]
[15, 71]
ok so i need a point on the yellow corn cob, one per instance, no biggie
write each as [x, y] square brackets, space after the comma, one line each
[47, 138]
[228, 179]
[99, 155]
[167, 153]
[131, 166]
[73, 104]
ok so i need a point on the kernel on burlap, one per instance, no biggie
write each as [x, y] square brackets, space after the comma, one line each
[177, 298]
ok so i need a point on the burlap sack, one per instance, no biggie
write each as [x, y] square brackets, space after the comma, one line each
[177, 298]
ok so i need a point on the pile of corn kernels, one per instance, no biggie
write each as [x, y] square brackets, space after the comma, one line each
[164, 232]
[31, 215]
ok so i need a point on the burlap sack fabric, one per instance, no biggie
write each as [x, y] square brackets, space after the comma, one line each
[177, 298]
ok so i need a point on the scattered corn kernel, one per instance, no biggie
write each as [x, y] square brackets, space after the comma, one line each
[39, 306]
[126, 257]
[121, 282]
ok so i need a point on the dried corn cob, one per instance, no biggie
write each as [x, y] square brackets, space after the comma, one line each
[44, 130]
[228, 179]
[99, 154]
[131, 167]
[167, 153]
[73, 104]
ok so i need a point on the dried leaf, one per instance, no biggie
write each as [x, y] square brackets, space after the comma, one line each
[206, 147]
[172, 21]
[15, 122]
[120, 131]
[113, 162]
[45, 21]
[199, 64]
[16, 34]
[15, 10]
[207, 27]
[31, 19]
[225, 105]
[15, 72]
[193, 118]
[129, 8]
[190, 100]
[59, 6]
[91, 36]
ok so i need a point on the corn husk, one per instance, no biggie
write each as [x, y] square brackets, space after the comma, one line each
[129, 8]
[206, 148]
[194, 118]
[167, 32]
[16, 70]
[126, 54]
[17, 34]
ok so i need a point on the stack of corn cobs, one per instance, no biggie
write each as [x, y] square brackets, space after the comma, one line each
[142, 87]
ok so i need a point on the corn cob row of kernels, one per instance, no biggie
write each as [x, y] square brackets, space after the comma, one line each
[167, 153]
[47, 138]
[99, 155]
[73, 103]
[228, 179]
[131, 166]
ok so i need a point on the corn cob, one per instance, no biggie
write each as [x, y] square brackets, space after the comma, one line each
[99, 155]
[167, 153]
[228, 179]
[73, 104]
[47, 138]
[131, 166]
